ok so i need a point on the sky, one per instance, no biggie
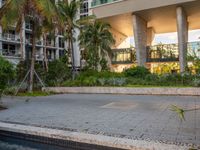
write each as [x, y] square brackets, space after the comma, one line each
[168, 38]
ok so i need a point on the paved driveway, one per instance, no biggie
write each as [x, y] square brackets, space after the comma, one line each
[135, 117]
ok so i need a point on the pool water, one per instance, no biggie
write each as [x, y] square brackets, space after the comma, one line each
[15, 144]
[9, 146]
[21, 141]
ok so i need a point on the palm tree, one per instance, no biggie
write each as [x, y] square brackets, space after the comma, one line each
[40, 11]
[68, 13]
[47, 31]
[97, 40]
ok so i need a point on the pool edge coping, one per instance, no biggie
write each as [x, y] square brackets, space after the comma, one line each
[102, 140]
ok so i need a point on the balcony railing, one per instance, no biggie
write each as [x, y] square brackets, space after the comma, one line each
[101, 2]
[123, 56]
[162, 53]
[169, 52]
[50, 44]
[10, 37]
[9, 53]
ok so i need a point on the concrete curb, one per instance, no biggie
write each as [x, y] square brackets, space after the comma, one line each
[90, 138]
[125, 90]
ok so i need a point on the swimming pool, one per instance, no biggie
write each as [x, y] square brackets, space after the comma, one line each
[20, 141]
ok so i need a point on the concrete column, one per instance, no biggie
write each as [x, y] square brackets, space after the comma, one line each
[150, 36]
[182, 29]
[140, 36]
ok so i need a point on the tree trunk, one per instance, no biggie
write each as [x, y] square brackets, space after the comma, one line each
[72, 57]
[21, 41]
[108, 59]
[21, 46]
[45, 53]
[100, 58]
[32, 69]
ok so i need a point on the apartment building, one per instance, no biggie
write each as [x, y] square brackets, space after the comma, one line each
[14, 48]
[142, 19]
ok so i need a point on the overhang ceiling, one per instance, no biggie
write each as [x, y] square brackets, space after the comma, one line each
[162, 19]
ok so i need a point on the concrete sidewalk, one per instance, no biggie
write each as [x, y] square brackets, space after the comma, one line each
[144, 118]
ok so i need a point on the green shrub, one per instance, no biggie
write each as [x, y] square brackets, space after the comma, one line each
[90, 81]
[58, 73]
[152, 77]
[196, 83]
[10, 90]
[102, 74]
[101, 81]
[137, 72]
[7, 74]
[116, 81]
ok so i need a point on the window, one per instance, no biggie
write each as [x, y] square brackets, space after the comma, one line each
[8, 50]
[29, 24]
[9, 35]
[84, 9]
[61, 53]
[61, 42]
[28, 38]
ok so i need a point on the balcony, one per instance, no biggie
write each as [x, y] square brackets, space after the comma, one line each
[9, 53]
[10, 37]
[162, 53]
[123, 56]
[156, 53]
[169, 52]
[50, 44]
[101, 2]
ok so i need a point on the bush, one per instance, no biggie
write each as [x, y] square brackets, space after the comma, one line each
[116, 81]
[7, 74]
[137, 72]
[196, 83]
[58, 73]
[152, 77]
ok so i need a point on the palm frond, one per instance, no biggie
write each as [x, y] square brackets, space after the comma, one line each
[180, 112]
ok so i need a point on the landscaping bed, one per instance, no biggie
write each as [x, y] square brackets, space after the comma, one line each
[134, 77]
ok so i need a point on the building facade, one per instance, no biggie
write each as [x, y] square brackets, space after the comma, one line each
[142, 19]
[15, 47]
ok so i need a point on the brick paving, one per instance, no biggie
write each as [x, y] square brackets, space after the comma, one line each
[134, 117]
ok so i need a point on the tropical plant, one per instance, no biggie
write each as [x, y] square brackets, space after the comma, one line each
[39, 11]
[137, 72]
[58, 72]
[68, 13]
[181, 112]
[96, 39]
[7, 74]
